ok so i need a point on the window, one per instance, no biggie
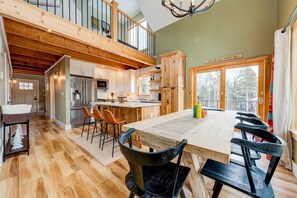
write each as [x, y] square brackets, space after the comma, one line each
[144, 86]
[233, 86]
[208, 89]
[25, 86]
[242, 89]
[138, 35]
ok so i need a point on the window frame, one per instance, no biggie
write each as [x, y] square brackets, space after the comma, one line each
[138, 87]
[264, 63]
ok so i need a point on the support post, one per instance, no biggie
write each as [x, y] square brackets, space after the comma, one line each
[114, 21]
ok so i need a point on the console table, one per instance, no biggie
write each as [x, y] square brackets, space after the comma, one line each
[14, 119]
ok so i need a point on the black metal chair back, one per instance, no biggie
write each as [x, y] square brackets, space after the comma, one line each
[253, 121]
[249, 115]
[273, 146]
[138, 160]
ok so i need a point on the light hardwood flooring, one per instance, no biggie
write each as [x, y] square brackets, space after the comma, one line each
[58, 167]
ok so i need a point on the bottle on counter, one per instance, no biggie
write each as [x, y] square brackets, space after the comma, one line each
[194, 111]
[203, 113]
[199, 110]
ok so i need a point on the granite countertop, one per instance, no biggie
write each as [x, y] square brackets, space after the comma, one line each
[127, 104]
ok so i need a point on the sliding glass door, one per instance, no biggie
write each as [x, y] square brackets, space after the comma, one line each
[242, 89]
[208, 89]
[234, 86]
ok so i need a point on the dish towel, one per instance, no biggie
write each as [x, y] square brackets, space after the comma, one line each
[282, 99]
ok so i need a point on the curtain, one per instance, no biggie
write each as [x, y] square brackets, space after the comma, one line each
[270, 109]
[294, 77]
[282, 100]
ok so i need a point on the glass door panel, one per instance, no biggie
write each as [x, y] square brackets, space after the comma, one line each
[242, 89]
[208, 89]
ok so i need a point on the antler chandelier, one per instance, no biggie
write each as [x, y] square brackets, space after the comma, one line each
[187, 7]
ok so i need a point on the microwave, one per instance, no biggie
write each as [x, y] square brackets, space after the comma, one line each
[102, 84]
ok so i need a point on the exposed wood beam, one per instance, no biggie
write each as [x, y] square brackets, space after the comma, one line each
[33, 16]
[35, 45]
[30, 68]
[29, 64]
[30, 59]
[32, 53]
[42, 36]
[24, 71]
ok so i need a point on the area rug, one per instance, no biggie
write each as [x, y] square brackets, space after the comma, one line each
[104, 157]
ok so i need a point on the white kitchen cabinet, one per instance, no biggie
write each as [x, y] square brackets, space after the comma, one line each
[112, 77]
[101, 73]
[82, 68]
[120, 82]
[130, 81]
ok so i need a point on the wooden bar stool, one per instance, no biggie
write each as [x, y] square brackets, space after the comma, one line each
[110, 119]
[98, 118]
[89, 116]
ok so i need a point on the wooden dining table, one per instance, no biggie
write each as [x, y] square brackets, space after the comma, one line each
[209, 137]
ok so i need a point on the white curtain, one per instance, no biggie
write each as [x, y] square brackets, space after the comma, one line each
[294, 77]
[282, 97]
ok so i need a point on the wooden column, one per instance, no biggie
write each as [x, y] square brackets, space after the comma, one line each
[114, 21]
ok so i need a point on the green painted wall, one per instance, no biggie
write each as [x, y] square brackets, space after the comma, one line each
[284, 10]
[62, 90]
[230, 27]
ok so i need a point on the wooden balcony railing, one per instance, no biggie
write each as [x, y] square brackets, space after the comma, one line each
[104, 18]
[232, 105]
[135, 35]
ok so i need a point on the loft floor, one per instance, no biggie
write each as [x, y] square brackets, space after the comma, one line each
[58, 167]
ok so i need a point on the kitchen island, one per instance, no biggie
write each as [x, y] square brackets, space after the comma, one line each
[131, 111]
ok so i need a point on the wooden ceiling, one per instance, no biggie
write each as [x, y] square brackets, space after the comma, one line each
[34, 50]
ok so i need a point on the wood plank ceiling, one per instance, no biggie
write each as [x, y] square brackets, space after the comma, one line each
[35, 50]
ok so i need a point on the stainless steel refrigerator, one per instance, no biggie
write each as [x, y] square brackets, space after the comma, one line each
[83, 92]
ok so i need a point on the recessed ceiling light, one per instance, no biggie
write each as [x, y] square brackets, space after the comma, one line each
[49, 30]
[103, 66]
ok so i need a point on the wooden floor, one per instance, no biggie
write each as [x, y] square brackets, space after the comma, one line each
[58, 167]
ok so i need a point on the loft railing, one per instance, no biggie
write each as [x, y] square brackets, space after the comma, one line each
[135, 35]
[94, 15]
[102, 17]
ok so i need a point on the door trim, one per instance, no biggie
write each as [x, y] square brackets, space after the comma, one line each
[264, 63]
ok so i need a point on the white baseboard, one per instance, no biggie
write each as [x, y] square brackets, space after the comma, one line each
[65, 126]
[294, 168]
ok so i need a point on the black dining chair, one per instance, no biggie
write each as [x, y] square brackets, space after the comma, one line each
[249, 115]
[248, 179]
[153, 174]
[253, 122]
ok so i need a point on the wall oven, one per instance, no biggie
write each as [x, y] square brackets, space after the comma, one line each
[102, 84]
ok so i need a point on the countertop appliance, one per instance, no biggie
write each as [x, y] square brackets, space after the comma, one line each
[102, 84]
[83, 92]
[122, 99]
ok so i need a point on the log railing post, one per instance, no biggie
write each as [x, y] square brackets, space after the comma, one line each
[114, 21]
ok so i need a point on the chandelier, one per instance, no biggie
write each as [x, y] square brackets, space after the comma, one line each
[187, 7]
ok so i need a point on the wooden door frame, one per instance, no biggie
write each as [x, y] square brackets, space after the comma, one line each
[52, 101]
[264, 63]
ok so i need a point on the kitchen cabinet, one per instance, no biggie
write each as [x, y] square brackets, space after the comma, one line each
[120, 82]
[173, 66]
[130, 81]
[82, 69]
[101, 73]
[112, 77]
